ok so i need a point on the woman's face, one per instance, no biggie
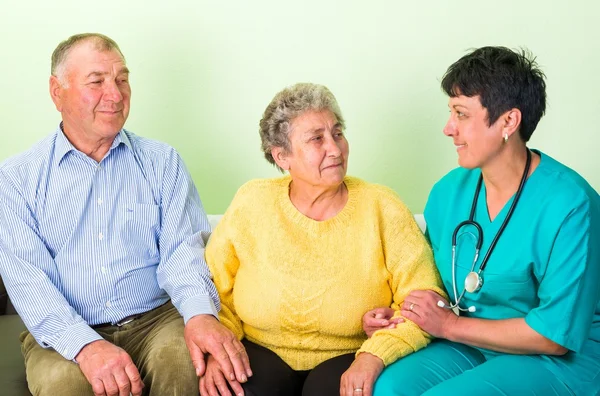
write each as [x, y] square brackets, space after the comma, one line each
[476, 142]
[319, 150]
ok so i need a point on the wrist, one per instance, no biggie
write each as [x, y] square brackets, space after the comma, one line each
[87, 350]
[366, 356]
[450, 326]
[202, 318]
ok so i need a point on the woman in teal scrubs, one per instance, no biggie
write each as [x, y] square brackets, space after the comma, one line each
[533, 327]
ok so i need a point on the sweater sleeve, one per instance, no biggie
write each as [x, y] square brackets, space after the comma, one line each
[409, 261]
[223, 263]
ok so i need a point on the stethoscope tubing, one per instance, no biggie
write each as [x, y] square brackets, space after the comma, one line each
[479, 238]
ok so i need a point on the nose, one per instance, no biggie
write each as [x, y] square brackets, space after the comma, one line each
[450, 127]
[112, 92]
[333, 147]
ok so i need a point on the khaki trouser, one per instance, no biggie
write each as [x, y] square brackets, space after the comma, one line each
[154, 342]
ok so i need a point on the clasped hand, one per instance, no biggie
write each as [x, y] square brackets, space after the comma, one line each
[420, 307]
[227, 360]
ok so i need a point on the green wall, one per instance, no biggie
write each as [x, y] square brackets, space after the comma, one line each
[203, 72]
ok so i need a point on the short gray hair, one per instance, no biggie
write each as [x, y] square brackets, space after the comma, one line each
[288, 104]
[61, 53]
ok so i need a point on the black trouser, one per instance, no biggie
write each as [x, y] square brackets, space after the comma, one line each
[271, 376]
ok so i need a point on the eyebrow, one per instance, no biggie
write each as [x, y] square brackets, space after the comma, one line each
[337, 125]
[98, 73]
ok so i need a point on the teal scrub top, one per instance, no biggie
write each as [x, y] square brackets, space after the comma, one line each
[545, 267]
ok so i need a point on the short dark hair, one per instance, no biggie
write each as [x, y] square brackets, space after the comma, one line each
[503, 79]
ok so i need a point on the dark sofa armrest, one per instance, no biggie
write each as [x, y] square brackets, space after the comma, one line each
[3, 298]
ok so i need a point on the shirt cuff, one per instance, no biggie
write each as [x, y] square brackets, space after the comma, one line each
[198, 305]
[74, 339]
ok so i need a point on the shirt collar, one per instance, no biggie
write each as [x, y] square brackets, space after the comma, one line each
[63, 146]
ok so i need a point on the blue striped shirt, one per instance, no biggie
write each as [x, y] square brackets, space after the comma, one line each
[83, 243]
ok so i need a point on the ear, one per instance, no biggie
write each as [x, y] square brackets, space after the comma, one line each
[511, 122]
[280, 157]
[56, 92]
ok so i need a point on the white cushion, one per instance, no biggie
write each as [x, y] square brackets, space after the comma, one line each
[214, 219]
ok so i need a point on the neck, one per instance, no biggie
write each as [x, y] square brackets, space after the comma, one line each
[95, 149]
[502, 175]
[318, 202]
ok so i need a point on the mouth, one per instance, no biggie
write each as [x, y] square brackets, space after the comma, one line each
[332, 166]
[459, 146]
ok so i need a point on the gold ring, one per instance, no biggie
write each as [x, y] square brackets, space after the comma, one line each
[412, 305]
[358, 389]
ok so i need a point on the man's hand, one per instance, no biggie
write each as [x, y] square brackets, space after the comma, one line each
[213, 382]
[205, 334]
[109, 370]
[358, 380]
[379, 318]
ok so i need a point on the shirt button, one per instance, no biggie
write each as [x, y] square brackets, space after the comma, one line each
[104, 270]
[100, 236]
[100, 201]
[108, 304]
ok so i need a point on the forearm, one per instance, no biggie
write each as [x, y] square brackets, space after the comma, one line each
[184, 275]
[392, 344]
[49, 317]
[507, 335]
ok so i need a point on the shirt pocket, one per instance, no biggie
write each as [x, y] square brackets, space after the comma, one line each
[139, 229]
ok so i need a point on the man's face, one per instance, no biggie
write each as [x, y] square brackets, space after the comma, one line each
[94, 101]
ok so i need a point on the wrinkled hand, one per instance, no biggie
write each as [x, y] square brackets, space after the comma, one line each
[109, 370]
[379, 318]
[426, 313]
[213, 382]
[205, 334]
[358, 380]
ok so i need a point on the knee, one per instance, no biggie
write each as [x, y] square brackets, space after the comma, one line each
[60, 379]
[385, 385]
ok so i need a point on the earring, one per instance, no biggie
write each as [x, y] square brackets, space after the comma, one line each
[505, 137]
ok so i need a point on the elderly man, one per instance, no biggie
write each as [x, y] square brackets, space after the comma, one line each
[101, 246]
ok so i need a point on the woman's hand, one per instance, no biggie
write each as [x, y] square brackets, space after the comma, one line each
[379, 318]
[420, 306]
[214, 383]
[358, 380]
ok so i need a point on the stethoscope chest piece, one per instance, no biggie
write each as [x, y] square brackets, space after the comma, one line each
[473, 282]
[474, 279]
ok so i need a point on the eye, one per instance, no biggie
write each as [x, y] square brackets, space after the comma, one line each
[96, 82]
[123, 81]
[338, 135]
[460, 114]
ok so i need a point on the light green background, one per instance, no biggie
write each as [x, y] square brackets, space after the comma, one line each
[203, 72]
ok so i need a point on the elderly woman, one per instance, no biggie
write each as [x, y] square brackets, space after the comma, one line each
[529, 301]
[297, 261]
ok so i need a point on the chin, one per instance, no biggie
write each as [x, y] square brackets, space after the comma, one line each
[463, 163]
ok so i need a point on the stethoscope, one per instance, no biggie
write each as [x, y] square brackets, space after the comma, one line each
[474, 279]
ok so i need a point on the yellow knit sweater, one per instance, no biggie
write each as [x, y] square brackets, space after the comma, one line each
[300, 287]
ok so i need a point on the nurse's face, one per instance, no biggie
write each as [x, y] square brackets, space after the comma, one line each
[476, 142]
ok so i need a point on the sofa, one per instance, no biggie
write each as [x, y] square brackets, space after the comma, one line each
[12, 368]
